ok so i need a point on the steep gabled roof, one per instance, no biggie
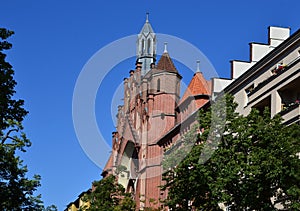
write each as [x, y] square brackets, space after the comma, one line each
[165, 63]
[197, 86]
[147, 28]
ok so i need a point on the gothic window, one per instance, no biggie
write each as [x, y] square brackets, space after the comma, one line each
[143, 46]
[158, 85]
[148, 46]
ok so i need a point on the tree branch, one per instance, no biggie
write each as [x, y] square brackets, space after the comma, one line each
[7, 135]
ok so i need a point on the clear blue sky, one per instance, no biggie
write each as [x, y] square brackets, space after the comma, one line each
[54, 39]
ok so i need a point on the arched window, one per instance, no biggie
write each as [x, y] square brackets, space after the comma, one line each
[158, 85]
[148, 46]
[143, 46]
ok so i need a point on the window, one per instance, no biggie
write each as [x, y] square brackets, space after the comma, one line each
[143, 46]
[158, 85]
[148, 46]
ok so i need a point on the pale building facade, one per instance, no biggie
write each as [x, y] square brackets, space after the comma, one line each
[270, 79]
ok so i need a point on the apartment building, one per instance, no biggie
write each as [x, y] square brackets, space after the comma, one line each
[270, 79]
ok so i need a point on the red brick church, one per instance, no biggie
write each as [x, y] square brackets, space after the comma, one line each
[152, 118]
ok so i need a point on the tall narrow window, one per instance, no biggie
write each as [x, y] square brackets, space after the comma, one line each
[148, 46]
[143, 46]
[158, 85]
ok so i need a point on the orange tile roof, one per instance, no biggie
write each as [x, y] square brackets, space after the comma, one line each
[166, 63]
[197, 86]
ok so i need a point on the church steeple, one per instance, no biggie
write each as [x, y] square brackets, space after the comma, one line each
[146, 46]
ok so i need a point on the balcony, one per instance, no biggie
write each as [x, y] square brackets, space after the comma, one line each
[282, 76]
[291, 114]
[276, 72]
[290, 101]
[280, 69]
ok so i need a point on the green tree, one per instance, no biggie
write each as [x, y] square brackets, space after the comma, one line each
[255, 160]
[16, 189]
[187, 171]
[51, 208]
[108, 195]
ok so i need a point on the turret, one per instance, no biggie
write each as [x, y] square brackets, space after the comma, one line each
[146, 47]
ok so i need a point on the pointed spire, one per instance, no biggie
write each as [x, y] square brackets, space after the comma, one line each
[198, 66]
[147, 26]
[165, 63]
[146, 46]
[166, 47]
[197, 86]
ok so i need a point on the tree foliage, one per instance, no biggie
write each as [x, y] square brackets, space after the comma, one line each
[108, 195]
[51, 208]
[16, 189]
[253, 165]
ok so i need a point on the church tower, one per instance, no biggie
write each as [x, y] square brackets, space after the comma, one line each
[151, 95]
[146, 47]
[163, 93]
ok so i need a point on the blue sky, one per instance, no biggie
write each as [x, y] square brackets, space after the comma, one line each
[54, 39]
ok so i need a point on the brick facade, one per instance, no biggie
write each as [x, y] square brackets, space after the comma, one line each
[152, 118]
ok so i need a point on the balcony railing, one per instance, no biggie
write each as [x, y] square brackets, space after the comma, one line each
[276, 72]
[289, 107]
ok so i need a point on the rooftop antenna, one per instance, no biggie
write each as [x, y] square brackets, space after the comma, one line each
[147, 17]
